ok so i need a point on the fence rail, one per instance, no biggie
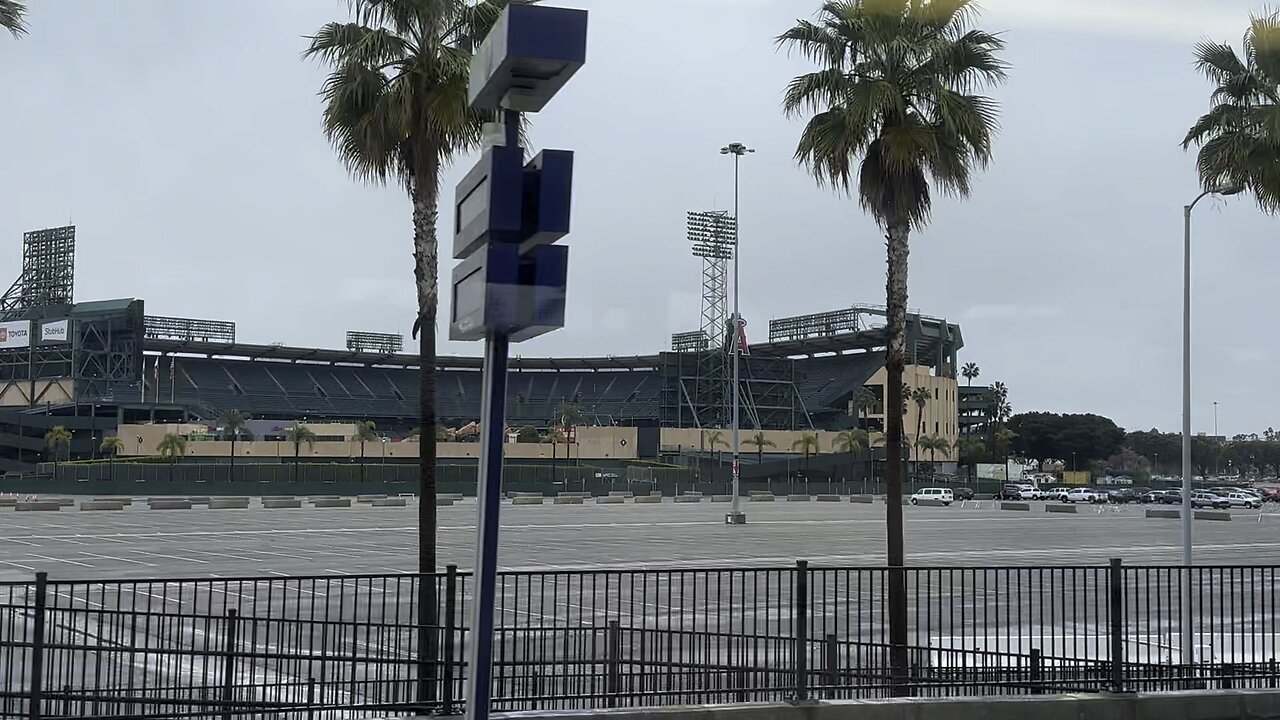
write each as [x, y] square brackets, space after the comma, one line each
[295, 647]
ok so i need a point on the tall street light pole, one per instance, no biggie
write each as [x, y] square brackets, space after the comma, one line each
[736, 516]
[1188, 633]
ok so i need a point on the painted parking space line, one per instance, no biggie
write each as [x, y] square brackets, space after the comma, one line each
[171, 557]
[59, 560]
[117, 559]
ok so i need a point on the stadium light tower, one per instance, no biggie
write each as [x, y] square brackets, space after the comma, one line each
[1188, 632]
[736, 516]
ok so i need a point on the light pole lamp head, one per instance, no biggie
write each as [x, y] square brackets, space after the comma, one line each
[736, 149]
[1228, 188]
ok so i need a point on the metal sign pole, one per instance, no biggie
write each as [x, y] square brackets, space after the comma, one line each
[489, 495]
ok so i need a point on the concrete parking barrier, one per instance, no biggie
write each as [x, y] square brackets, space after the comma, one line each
[199, 500]
[576, 493]
[1067, 509]
[1165, 514]
[8, 501]
[369, 498]
[64, 502]
[527, 500]
[864, 499]
[1211, 515]
[519, 494]
[456, 497]
[229, 503]
[799, 498]
[649, 499]
[281, 503]
[101, 505]
[655, 493]
[828, 498]
[277, 497]
[335, 502]
[931, 502]
[126, 501]
[721, 498]
[390, 502]
[170, 504]
[37, 505]
[610, 500]
[315, 498]
[1024, 507]
[761, 497]
[567, 500]
[442, 501]
[688, 498]
[620, 493]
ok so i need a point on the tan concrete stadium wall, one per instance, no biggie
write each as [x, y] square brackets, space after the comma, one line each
[21, 393]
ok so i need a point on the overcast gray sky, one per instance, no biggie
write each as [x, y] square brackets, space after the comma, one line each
[183, 139]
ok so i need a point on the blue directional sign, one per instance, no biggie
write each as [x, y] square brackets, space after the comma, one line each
[498, 289]
[530, 54]
[488, 203]
[544, 271]
[548, 191]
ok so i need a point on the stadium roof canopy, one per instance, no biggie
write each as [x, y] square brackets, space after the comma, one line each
[871, 339]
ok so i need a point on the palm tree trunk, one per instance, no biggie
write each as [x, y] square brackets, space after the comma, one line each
[426, 211]
[362, 463]
[233, 454]
[894, 362]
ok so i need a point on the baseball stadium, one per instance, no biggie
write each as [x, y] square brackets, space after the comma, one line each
[107, 368]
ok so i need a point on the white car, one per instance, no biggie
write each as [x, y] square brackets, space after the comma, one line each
[1058, 494]
[1030, 492]
[1243, 499]
[1085, 495]
[943, 495]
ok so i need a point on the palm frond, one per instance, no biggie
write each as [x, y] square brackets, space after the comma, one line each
[13, 17]
[342, 43]
[1218, 61]
[819, 44]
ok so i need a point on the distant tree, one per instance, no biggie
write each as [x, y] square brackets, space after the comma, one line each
[760, 441]
[299, 434]
[527, 434]
[233, 424]
[807, 443]
[970, 451]
[1049, 436]
[921, 397]
[58, 441]
[172, 446]
[555, 436]
[853, 442]
[970, 371]
[933, 444]
[13, 17]
[1239, 138]
[713, 438]
[864, 401]
[111, 447]
[568, 415]
[366, 431]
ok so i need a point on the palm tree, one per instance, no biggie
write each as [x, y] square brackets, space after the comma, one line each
[863, 402]
[172, 446]
[1239, 138]
[396, 110]
[807, 443]
[111, 447]
[933, 443]
[233, 423]
[297, 435]
[713, 438]
[555, 435]
[852, 442]
[896, 89]
[568, 415]
[970, 371]
[58, 441]
[760, 442]
[13, 17]
[366, 430]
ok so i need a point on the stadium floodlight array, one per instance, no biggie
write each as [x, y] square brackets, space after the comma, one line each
[176, 328]
[384, 343]
[712, 234]
[694, 341]
[821, 324]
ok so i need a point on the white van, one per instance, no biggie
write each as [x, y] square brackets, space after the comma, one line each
[944, 495]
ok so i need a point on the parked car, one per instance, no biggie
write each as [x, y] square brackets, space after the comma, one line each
[964, 493]
[1009, 492]
[1029, 492]
[1121, 496]
[942, 494]
[1085, 495]
[1058, 494]
[1208, 499]
[1244, 500]
[1158, 497]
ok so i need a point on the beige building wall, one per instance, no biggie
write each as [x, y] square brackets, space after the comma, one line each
[21, 393]
[939, 414]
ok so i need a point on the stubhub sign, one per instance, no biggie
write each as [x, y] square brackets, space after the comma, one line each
[15, 334]
[56, 332]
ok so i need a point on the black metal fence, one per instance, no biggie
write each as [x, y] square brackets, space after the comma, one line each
[299, 647]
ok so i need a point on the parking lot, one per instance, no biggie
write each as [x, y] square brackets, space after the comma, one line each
[139, 543]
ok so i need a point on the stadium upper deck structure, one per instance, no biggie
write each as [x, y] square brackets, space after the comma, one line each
[90, 366]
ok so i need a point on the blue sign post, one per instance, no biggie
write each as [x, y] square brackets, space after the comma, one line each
[510, 283]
